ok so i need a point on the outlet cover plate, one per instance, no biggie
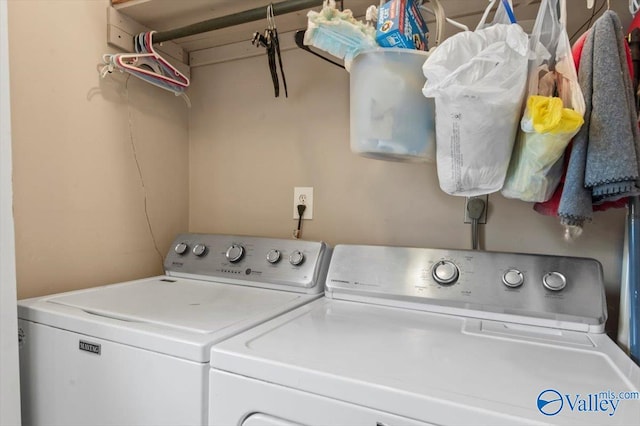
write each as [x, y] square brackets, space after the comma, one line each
[303, 195]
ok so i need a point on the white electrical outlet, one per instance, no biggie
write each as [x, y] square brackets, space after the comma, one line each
[303, 195]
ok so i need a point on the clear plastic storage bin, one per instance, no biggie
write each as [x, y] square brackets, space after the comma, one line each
[390, 117]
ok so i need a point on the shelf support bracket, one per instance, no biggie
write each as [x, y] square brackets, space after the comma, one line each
[120, 32]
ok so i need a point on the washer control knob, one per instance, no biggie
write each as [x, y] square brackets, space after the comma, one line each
[273, 256]
[296, 258]
[199, 250]
[513, 278]
[554, 281]
[181, 248]
[234, 253]
[445, 272]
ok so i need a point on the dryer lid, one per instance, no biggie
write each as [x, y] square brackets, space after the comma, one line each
[430, 367]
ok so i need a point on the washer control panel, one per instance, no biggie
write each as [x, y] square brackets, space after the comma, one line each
[256, 261]
[557, 291]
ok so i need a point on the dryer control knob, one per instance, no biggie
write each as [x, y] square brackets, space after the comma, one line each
[199, 250]
[554, 281]
[513, 278]
[445, 272]
[296, 258]
[181, 248]
[273, 256]
[234, 253]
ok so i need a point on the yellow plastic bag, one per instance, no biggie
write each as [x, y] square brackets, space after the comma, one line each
[548, 115]
[546, 129]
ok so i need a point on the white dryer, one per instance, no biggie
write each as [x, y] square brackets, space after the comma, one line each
[410, 336]
[137, 353]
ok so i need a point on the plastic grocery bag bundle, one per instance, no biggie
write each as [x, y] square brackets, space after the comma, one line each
[478, 81]
[555, 107]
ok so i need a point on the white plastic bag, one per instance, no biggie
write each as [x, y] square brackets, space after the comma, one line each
[478, 81]
[534, 172]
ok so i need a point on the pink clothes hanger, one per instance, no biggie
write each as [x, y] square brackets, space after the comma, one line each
[143, 63]
[149, 63]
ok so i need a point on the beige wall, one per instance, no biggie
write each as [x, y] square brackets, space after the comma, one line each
[79, 202]
[248, 150]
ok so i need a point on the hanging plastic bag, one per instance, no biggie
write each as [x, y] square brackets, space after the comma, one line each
[555, 107]
[478, 81]
[546, 129]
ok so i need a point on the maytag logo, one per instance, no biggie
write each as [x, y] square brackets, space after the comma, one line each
[89, 347]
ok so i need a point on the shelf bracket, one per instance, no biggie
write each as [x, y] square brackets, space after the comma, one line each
[120, 32]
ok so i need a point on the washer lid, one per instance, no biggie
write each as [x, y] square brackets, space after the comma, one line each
[174, 316]
[189, 305]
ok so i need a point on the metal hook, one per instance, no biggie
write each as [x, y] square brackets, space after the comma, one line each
[271, 21]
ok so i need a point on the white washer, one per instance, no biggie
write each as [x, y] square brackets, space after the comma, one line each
[410, 336]
[137, 353]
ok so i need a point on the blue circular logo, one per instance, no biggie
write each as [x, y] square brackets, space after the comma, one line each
[550, 402]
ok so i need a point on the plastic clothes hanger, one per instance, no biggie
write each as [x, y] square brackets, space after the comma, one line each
[299, 39]
[271, 20]
[136, 68]
[485, 15]
[169, 69]
[150, 65]
[112, 64]
[147, 65]
[266, 40]
[270, 41]
[148, 62]
[439, 13]
[139, 65]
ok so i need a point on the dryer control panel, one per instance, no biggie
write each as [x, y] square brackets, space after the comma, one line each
[552, 291]
[293, 265]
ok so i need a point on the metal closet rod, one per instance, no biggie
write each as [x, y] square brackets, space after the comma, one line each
[235, 19]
